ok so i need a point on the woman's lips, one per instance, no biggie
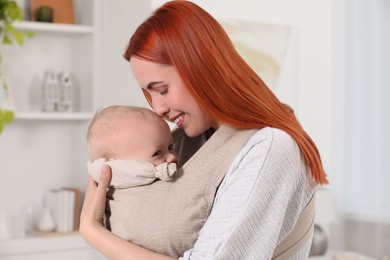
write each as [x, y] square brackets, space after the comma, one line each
[179, 120]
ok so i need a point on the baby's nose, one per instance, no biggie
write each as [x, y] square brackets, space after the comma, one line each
[172, 158]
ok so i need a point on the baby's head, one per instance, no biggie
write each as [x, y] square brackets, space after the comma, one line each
[128, 132]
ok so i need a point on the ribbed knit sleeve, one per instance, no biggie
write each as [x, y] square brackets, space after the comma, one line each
[258, 202]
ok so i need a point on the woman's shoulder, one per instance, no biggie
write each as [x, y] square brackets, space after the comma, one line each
[274, 138]
[272, 148]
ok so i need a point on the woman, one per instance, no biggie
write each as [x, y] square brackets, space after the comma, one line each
[192, 76]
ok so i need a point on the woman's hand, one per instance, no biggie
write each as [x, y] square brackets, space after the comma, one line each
[94, 204]
[95, 234]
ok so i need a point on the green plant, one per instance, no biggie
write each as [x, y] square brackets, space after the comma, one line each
[9, 13]
[6, 117]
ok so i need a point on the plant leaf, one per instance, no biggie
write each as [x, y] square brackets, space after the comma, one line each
[6, 40]
[14, 11]
[18, 36]
[29, 34]
[9, 13]
[8, 116]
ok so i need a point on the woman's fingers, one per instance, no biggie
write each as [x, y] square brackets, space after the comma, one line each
[104, 181]
[98, 202]
[95, 198]
[91, 189]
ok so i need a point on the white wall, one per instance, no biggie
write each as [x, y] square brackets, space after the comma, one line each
[306, 78]
[120, 21]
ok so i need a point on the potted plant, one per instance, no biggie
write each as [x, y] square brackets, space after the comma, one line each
[9, 13]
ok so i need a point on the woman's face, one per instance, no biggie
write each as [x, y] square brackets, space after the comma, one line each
[170, 98]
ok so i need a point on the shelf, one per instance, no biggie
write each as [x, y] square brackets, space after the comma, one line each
[54, 28]
[53, 116]
[39, 244]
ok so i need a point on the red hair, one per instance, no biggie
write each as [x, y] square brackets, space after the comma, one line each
[183, 35]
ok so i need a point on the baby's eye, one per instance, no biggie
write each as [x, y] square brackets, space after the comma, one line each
[171, 147]
[158, 153]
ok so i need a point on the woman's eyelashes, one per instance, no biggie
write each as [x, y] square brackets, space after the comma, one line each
[162, 89]
[171, 147]
[164, 92]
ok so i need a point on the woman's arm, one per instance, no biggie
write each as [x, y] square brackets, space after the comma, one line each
[95, 234]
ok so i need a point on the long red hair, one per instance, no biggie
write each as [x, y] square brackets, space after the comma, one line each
[183, 35]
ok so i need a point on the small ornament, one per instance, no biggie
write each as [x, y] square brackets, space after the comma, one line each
[67, 92]
[44, 14]
[51, 92]
[46, 221]
[5, 226]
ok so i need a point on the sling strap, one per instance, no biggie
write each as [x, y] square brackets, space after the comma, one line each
[300, 234]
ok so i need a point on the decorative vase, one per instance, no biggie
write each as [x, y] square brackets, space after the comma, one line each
[46, 221]
[66, 92]
[320, 242]
[5, 226]
[51, 91]
[44, 14]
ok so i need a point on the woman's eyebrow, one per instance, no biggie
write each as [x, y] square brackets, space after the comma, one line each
[151, 84]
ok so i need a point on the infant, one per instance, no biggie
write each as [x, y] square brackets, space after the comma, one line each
[135, 142]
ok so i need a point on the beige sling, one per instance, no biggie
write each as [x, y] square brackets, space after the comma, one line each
[166, 217]
[300, 234]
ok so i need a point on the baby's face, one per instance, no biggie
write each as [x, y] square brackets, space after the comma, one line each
[147, 141]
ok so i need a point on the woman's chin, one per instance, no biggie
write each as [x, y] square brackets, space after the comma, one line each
[192, 132]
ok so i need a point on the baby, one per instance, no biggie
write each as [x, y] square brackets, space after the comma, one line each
[148, 202]
[135, 142]
[138, 146]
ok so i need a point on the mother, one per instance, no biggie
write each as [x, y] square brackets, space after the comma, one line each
[192, 75]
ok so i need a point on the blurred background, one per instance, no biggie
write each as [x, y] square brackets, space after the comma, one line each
[329, 60]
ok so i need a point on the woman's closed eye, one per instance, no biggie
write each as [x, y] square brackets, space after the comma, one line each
[162, 89]
[164, 92]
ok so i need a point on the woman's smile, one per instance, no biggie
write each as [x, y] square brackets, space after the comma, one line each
[178, 120]
[169, 97]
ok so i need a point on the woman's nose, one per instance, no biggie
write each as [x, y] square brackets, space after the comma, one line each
[160, 108]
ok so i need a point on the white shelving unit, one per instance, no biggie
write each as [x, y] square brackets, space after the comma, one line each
[52, 116]
[42, 151]
[71, 246]
[46, 150]
[71, 29]
[62, 47]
